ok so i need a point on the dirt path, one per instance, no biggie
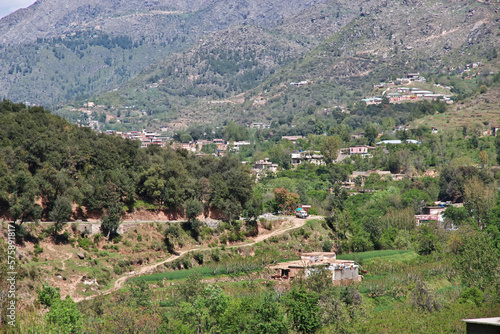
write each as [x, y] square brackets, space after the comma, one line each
[149, 269]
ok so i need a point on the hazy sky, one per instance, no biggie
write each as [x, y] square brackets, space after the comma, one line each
[9, 6]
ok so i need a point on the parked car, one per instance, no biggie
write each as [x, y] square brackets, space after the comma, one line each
[301, 213]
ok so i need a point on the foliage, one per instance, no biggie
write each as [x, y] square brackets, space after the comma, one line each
[427, 239]
[303, 310]
[65, 315]
[48, 295]
[330, 148]
[478, 260]
[61, 213]
[472, 295]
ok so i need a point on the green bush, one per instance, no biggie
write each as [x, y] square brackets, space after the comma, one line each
[117, 239]
[472, 296]
[85, 243]
[38, 249]
[313, 211]
[327, 246]
[66, 316]
[117, 269]
[198, 257]
[49, 295]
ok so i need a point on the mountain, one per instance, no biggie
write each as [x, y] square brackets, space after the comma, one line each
[57, 50]
[340, 48]
[204, 61]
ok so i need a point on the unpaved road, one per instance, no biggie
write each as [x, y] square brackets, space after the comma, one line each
[295, 223]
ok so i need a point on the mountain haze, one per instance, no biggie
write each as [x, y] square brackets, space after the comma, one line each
[79, 48]
[341, 47]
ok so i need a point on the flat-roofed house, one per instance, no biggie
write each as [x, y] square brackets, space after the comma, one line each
[341, 271]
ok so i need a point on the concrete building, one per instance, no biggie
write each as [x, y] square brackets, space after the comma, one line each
[341, 271]
[483, 325]
[313, 157]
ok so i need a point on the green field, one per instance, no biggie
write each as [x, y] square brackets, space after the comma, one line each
[392, 254]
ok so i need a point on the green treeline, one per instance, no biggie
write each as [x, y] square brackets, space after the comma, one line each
[44, 157]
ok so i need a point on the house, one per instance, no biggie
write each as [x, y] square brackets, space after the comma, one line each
[434, 213]
[351, 181]
[300, 83]
[221, 144]
[415, 77]
[312, 157]
[265, 165]
[434, 130]
[293, 139]
[483, 325]
[260, 126]
[372, 100]
[200, 143]
[396, 142]
[341, 271]
[362, 150]
[184, 146]
[237, 144]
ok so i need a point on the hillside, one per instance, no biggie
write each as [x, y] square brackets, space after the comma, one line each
[79, 48]
[349, 49]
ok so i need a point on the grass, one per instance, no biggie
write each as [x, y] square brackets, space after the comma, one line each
[394, 254]
[181, 274]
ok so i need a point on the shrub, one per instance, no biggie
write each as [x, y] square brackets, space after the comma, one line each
[117, 269]
[327, 246]
[97, 238]
[117, 239]
[66, 316]
[472, 296]
[38, 249]
[198, 257]
[49, 295]
[85, 243]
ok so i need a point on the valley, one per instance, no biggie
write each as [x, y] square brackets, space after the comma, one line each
[327, 166]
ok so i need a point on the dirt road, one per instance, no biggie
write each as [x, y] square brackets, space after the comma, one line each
[293, 223]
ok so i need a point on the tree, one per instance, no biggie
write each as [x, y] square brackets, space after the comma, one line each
[61, 213]
[269, 317]
[111, 220]
[330, 148]
[286, 201]
[371, 134]
[427, 239]
[193, 209]
[303, 310]
[483, 158]
[457, 215]
[281, 153]
[479, 199]
[49, 295]
[478, 260]
[416, 199]
[153, 184]
[497, 145]
[65, 315]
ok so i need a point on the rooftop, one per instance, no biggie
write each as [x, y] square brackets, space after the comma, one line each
[484, 321]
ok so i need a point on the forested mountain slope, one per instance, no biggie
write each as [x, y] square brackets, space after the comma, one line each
[77, 48]
[48, 165]
[351, 48]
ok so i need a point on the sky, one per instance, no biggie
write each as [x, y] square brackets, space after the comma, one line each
[10, 6]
